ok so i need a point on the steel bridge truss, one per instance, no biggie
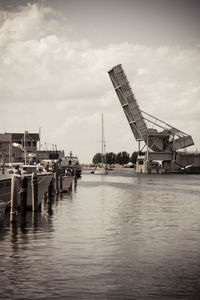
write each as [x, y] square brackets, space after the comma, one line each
[157, 135]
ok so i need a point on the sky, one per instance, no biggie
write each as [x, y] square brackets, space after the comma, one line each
[54, 59]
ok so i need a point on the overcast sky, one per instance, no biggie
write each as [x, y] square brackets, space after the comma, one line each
[54, 58]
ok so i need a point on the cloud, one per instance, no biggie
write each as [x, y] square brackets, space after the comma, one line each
[50, 80]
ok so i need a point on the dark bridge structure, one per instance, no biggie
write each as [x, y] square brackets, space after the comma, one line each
[161, 140]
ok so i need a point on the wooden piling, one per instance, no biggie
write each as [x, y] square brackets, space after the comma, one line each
[34, 186]
[51, 190]
[14, 200]
[60, 183]
[75, 176]
[23, 194]
[56, 182]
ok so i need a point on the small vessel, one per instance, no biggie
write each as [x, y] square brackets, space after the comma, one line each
[44, 179]
[102, 168]
[71, 166]
[5, 193]
[5, 188]
[67, 181]
[101, 171]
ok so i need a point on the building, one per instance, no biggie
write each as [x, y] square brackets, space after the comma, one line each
[50, 155]
[18, 147]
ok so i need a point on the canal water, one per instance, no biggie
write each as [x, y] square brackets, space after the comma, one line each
[119, 236]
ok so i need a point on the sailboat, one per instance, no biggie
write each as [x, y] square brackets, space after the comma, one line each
[102, 169]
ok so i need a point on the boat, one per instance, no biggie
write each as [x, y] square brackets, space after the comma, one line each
[70, 165]
[67, 182]
[5, 188]
[44, 179]
[101, 169]
[5, 194]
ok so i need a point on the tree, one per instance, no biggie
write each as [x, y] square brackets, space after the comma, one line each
[125, 158]
[122, 158]
[119, 158]
[134, 157]
[110, 158]
[97, 159]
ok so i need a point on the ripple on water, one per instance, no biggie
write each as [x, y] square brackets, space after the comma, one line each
[119, 236]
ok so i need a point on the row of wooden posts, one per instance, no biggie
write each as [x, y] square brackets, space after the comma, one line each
[55, 187]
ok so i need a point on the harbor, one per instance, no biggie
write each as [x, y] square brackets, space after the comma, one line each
[99, 150]
[114, 230]
[119, 236]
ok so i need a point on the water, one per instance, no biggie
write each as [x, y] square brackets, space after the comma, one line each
[121, 236]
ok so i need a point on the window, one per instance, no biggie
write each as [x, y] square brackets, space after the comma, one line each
[34, 143]
[29, 143]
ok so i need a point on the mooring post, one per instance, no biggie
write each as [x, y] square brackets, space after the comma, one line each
[23, 194]
[75, 175]
[60, 183]
[14, 200]
[51, 190]
[34, 186]
[56, 177]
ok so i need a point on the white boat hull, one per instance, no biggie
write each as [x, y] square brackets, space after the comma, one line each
[43, 183]
[101, 171]
[44, 180]
[5, 188]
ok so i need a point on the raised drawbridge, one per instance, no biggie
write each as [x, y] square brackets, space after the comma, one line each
[162, 140]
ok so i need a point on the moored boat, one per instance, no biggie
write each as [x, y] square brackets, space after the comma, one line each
[70, 165]
[102, 170]
[67, 182]
[44, 180]
[5, 188]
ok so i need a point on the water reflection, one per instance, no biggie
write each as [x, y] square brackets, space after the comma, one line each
[30, 221]
[14, 236]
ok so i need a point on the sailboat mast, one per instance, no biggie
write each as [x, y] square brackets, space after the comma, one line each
[103, 144]
[102, 141]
